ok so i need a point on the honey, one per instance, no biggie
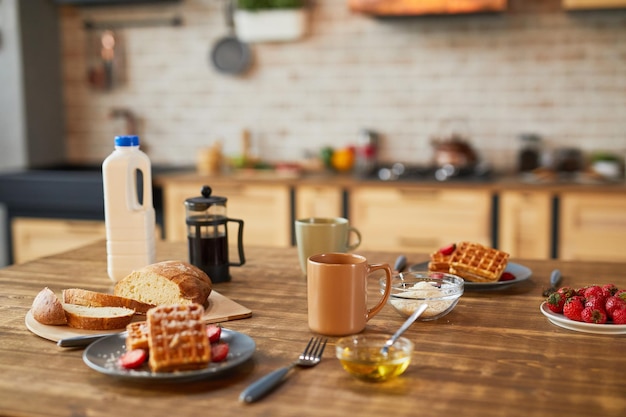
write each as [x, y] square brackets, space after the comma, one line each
[370, 364]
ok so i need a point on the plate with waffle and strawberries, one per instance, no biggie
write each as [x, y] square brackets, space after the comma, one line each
[174, 343]
[481, 267]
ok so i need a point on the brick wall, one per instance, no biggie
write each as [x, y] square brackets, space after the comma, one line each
[535, 68]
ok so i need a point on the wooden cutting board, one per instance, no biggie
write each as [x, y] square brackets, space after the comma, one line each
[220, 309]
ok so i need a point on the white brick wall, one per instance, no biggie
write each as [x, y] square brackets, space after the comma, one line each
[534, 68]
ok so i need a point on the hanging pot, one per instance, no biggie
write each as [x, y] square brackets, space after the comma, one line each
[229, 55]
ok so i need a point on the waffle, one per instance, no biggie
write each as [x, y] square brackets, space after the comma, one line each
[472, 262]
[177, 338]
[137, 335]
[478, 263]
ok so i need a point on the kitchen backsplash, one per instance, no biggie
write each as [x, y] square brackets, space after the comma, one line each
[534, 68]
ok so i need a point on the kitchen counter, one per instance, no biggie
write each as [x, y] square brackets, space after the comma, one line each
[495, 183]
[494, 355]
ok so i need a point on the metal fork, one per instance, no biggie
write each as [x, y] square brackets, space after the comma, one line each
[311, 356]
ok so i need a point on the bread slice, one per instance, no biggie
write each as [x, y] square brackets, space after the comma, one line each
[166, 283]
[98, 318]
[47, 308]
[100, 299]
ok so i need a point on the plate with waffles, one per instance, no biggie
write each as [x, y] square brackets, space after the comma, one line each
[103, 355]
[481, 267]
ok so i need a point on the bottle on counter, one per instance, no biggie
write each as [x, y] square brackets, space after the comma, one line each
[529, 154]
[128, 208]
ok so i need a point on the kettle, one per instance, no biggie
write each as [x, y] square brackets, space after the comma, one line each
[207, 235]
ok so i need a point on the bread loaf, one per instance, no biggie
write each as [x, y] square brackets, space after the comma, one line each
[166, 283]
[99, 299]
[98, 318]
[47, 308]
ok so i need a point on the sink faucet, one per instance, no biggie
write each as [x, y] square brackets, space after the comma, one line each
[129, 116]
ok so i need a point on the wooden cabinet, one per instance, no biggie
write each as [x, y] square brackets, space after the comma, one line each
[593, 4]
[592, 226]
[264, 208]
[319, 201]
[34, 238]
[525, 223]
[420, 219]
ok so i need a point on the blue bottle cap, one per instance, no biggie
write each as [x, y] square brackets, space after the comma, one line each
[127, 140]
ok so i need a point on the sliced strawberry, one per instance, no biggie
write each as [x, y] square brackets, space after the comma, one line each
[447, 250]
[214, 333]
[219, 352]
[133, 358]
[507, 276]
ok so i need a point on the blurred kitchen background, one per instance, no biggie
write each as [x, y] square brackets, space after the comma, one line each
[534, 67]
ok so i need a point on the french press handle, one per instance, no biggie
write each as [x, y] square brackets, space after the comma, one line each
[242, 258]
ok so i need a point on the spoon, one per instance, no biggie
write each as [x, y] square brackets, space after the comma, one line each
[403, 328]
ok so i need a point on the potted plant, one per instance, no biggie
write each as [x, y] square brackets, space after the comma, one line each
[270, 20]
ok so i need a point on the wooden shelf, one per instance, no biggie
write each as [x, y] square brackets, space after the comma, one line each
[593, 4]
[425, 7]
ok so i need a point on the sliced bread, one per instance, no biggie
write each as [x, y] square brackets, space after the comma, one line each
[98, 318]
[166, 283]
[47, 308]
[99, 299]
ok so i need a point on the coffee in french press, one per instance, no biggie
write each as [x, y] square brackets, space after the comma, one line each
[207, 234]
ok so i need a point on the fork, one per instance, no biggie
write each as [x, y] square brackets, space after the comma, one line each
[311, 356]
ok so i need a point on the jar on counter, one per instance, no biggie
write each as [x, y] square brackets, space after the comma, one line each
[529, 157]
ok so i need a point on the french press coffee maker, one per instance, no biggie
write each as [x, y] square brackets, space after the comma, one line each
[207, 233]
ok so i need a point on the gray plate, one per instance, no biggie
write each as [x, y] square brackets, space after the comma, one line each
[103, 354]
[521, 273]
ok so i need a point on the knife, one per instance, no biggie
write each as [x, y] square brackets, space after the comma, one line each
[80, 341]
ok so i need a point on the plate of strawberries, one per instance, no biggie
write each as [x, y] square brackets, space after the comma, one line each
[597, 309]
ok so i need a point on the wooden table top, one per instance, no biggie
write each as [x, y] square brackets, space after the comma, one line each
[494, 355]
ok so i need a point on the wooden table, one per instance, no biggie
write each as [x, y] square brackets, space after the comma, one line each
[494, 355]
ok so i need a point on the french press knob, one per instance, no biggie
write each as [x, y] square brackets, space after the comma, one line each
[207, 234]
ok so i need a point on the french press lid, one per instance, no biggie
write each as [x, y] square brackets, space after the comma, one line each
[205, 201]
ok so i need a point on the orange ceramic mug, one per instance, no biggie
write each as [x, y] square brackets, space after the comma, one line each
[337, 293]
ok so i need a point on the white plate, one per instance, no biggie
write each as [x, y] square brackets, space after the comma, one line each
[102, 356]
[521, 273]
[579, 326]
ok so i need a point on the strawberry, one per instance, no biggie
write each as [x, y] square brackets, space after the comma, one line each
[593, 291]
[566, 292]
[573, 308]
[555, 302]
[609, 290]
[619, 316]
[214, 333]
[507, 276]
[596, 303]
[614, 303]
[219, 352]
[447, 250]
[593, 315]
[133, 358]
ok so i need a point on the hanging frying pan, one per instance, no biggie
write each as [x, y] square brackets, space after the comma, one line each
[229, 55]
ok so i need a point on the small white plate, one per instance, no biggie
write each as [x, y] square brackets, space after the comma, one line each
[102, 356]
[521, 273]
[579, 326]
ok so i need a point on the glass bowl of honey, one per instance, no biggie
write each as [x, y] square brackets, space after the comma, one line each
[362, 356]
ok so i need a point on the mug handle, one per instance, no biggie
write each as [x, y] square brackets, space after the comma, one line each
[358, 235]
[381, 303]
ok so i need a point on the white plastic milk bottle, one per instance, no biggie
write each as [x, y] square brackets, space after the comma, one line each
[128, 210]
